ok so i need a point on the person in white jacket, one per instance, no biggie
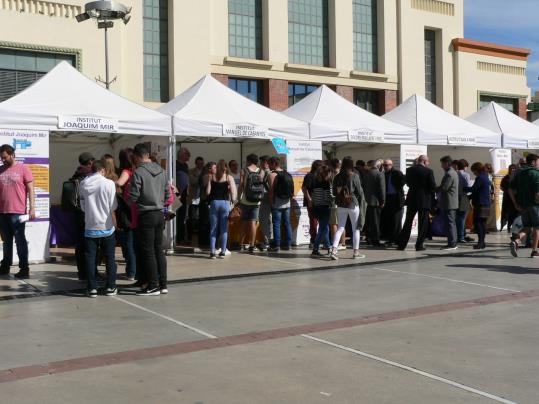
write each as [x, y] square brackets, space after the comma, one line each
[98, 201]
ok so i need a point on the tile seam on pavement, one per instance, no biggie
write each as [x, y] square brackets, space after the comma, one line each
[70, 365]
[350, 266]
[411, 369]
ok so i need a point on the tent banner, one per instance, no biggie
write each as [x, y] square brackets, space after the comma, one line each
[461, 140]
[365, 136]
[245, 130]
[32, 149]
[87, 123]
[299, 159]
[533, 144]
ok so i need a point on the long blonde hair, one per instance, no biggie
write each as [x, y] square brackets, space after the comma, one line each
[110, 168]
[222, 169]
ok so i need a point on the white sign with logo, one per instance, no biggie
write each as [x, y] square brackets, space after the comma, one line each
[461, 140]
[32, 149]
[533, 144]
[365, 136]
[77, 123]
[245, 130]
[501, 159]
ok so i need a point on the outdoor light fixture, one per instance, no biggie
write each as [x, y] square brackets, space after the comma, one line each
[105, 12]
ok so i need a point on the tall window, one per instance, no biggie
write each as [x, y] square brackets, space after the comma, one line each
[297, 92]
[20, 69]
[155, 50]
[245, 28]
[251, 89]
[365, 36]
[308, 38]
[368, 100]
[430, 65]
[510, 104]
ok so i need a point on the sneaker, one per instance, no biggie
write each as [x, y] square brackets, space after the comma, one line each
[149, 292]
[23, 274]
[274, 249]
[333, 256]
[213, 256]
[130, 278]
[222, 255]
[251, 250]
[164, 291]
[317, 253]
[341, 247]
[358, 256]
[449, 248]
[92, 293]
[227, 252]
[535, 254]
[513, 245]
[111, 292]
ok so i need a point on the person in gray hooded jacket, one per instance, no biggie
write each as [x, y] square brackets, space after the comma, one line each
[149, 190]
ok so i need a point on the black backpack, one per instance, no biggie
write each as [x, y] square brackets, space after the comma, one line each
[284, 185]
[71, 195]
[254, 186]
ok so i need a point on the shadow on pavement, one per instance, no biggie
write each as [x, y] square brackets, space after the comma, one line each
[512, 269]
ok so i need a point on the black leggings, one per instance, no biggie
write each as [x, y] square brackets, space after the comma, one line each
[480, 224]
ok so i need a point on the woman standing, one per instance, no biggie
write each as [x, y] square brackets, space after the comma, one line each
[204, 207]
[481, 202]
[307, 189]
[127, 233]
[348, 197]
[509, 212]
[321, 200]
[221, 189]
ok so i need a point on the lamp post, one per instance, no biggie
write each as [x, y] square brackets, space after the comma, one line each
[105, 12]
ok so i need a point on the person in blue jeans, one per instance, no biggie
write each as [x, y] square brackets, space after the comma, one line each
[98, 202]
[321, 200]
[221, 191]
[280, 204]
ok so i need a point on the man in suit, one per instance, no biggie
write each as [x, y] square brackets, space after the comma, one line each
[391, 222]
[449, 201]
[375, 195]
[420, 180]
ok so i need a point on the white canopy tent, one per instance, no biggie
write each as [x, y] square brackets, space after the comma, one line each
[517, 133]
[63, 94]
[333, 118]
[210, 109]
[435, 126]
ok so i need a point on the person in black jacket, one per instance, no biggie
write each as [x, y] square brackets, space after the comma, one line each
[391, 220]
[421, 183]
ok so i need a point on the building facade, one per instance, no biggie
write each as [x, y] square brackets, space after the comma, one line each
[375, 53]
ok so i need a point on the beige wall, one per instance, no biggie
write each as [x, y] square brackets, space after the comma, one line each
[471, 81]
[412, 23]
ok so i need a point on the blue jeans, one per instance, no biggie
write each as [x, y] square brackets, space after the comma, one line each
[127, 241]
[281, 215]
[321, 213]
[108, 244]
[219, 210]
[461, 225]
[10, 228]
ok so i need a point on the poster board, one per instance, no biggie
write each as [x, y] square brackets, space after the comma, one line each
[32, 149]
[501, 159]
[408, 155]
[301, 155]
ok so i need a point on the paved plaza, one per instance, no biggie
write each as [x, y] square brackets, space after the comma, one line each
[397, 327]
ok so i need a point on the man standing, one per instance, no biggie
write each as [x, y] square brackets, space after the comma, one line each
[392, 211]
[98, 202]
[449, 201]
[375, 196]
[465, 181]
[235, 171]
[281, 189]
[86, 160]
[525, 184]
[420, 180]
[182, 183]
[252, 192]
[16, 186]
[265, 204]
[149, 190]
[193, 199]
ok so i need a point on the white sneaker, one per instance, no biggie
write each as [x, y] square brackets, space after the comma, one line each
[111, 292]
[164, 291]
[358, 256]
[341, 247]
[92, 293]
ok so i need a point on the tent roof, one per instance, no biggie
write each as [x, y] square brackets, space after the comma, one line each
[65, 92]
[208, 108]
[516, 132]
[331, 117]
[437, 127]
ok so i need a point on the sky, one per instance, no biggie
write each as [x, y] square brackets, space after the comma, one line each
[506, 22]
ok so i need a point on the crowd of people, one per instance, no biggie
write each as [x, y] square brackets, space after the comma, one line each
[363, 200]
